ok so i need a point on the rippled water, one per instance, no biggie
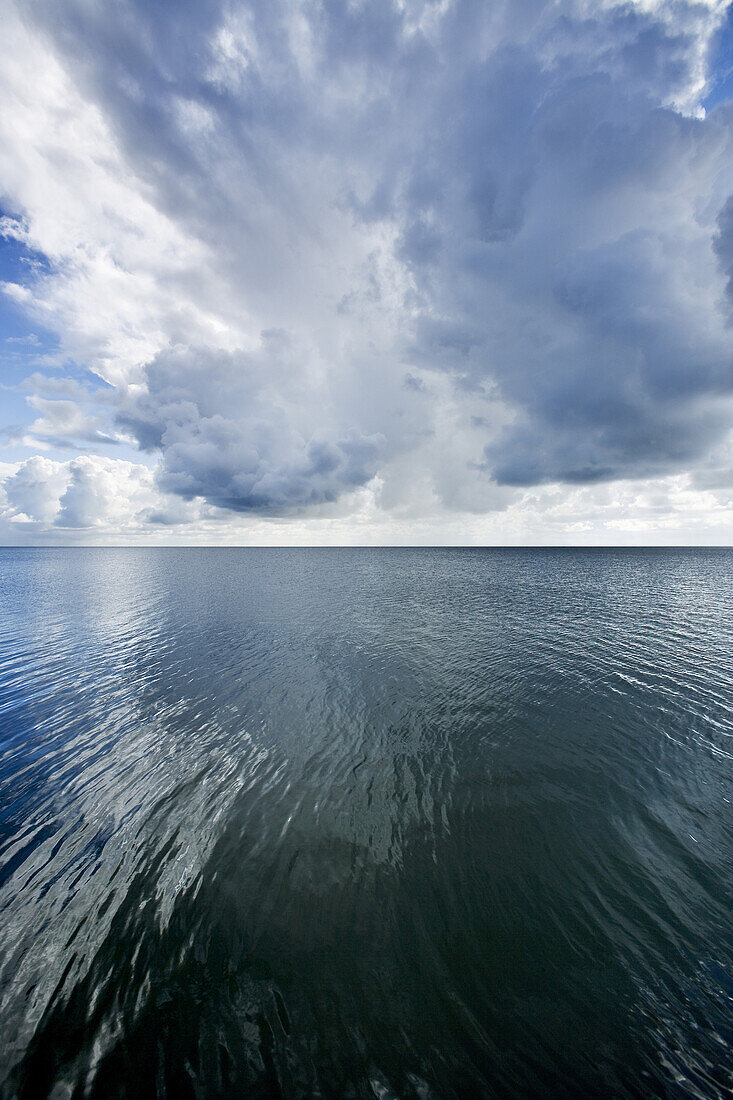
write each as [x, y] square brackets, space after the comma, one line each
[415, 823]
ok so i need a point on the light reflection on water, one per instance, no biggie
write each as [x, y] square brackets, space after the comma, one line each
[366, 822]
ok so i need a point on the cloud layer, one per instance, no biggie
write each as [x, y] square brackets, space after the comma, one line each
[414, 259]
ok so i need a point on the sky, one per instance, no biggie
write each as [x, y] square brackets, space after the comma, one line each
[296, 272]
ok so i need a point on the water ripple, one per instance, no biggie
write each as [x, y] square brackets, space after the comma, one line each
[366, 823]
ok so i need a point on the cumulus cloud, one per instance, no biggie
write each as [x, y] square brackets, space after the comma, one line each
[241, 430]
[561, 233]
[41, 497]
[417, 257]
[33, 491]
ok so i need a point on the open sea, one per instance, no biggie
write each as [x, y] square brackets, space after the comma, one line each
[366, 823]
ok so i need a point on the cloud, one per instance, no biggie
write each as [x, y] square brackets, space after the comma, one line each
[239, 431]
[72, 415]
[42, 499]
[429, 254]
[97, 500]
[559, 226]
[723, 243]
[33, 491]
[63, 424]
[96, 495]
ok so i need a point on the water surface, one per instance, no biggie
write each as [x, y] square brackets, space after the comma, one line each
[366, 823]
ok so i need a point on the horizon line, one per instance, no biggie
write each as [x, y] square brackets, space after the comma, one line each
[368, 546]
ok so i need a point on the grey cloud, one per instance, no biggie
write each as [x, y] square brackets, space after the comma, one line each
[576, 271]
[226, 433]
[723, 243]
[555, 220]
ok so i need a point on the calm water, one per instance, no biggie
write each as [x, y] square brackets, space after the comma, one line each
[353, 823]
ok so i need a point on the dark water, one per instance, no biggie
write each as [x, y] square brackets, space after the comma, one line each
[430, 823]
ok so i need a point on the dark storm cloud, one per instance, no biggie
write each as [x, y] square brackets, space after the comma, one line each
[553, 209]
[556, 225]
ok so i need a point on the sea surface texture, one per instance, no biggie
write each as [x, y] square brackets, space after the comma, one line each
[366, 823]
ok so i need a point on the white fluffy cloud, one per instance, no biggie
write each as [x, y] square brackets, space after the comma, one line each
[88, 494]
[388, 271]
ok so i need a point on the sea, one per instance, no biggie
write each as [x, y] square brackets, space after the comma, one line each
[413, 823]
